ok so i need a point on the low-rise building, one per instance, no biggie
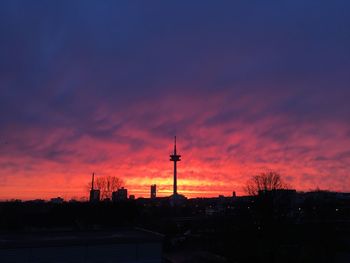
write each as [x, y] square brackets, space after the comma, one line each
[123, 246]
[120, 195]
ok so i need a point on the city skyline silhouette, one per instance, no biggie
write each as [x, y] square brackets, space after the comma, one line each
[96, 191]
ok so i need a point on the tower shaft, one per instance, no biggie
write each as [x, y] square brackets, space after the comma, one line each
[175, 158]
[175, 179]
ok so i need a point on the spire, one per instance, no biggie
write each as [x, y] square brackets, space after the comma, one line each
[92, 181]
[175, 145]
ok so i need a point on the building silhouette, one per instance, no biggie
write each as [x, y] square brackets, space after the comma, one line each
[94, 194]
[153, 191]
[120, 195]
[57, 200]
[83, 246]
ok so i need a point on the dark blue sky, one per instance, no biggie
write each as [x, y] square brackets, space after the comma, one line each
[263, 84]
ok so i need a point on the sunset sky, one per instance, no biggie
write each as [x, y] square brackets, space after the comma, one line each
[103, 86]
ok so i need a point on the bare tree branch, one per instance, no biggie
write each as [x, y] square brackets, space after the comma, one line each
[264, 182]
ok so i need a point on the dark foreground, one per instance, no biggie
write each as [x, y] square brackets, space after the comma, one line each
[274, 227]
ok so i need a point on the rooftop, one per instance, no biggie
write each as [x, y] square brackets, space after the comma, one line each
[74, 238]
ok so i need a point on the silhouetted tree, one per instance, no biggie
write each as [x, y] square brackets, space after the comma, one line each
[107, 185]
[264, 182]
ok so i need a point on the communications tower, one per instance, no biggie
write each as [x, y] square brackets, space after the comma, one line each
[175, 158]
